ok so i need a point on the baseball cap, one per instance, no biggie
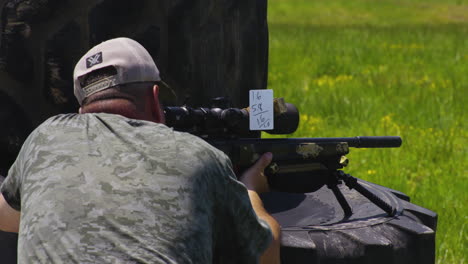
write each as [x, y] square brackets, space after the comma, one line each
[132, 62]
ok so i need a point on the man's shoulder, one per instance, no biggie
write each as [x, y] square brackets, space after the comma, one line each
[90, 119]
[60, 120]
[149, 132]
[50, 124]
[194, 142]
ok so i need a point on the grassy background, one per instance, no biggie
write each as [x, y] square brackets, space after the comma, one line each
[387, 67]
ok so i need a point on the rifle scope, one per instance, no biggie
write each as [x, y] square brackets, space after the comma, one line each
[229, 121]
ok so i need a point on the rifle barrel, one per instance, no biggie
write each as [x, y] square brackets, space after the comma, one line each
[355, 142]
[376, 142]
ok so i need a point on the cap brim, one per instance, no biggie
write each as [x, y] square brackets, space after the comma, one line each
[167, 96]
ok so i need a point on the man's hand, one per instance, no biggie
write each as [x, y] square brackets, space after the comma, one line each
[254, 178]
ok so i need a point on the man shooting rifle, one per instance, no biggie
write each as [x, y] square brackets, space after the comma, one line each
[114, 184]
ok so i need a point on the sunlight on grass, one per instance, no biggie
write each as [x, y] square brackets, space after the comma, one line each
[368, 12]
[367, 68]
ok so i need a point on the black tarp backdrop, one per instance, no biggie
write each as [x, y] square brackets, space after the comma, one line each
[203, 48]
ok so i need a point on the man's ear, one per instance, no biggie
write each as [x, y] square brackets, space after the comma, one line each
[158, 112]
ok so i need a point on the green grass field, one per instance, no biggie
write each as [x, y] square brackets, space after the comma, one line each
[388, 67]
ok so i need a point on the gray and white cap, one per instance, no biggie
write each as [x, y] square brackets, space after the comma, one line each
[131, 60]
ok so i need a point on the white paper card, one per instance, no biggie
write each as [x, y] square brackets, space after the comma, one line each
[261, 109]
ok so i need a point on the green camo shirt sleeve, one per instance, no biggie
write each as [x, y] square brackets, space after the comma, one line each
[243, 236]
[10, 188]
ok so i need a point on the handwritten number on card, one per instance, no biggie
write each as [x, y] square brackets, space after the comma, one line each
[261, 109]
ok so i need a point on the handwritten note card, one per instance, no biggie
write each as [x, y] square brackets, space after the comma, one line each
[261, 109]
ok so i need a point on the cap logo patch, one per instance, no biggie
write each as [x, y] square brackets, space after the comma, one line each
[93, 60]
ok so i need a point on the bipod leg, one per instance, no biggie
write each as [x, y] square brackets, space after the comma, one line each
[352, 183]
[340, 197]
[342, 200]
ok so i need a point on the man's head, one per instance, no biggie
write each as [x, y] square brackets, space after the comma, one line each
[119, 76]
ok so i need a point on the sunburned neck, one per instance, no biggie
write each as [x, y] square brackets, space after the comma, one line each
[115, 106]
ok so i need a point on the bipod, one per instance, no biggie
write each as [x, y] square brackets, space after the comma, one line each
[338, 177]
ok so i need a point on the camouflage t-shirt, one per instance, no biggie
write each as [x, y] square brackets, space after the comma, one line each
[101, 188]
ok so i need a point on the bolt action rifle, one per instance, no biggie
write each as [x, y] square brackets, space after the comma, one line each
[299, 164]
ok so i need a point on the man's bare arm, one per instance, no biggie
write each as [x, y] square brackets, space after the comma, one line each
[9, 217]
[256, 182]
[272, 254]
